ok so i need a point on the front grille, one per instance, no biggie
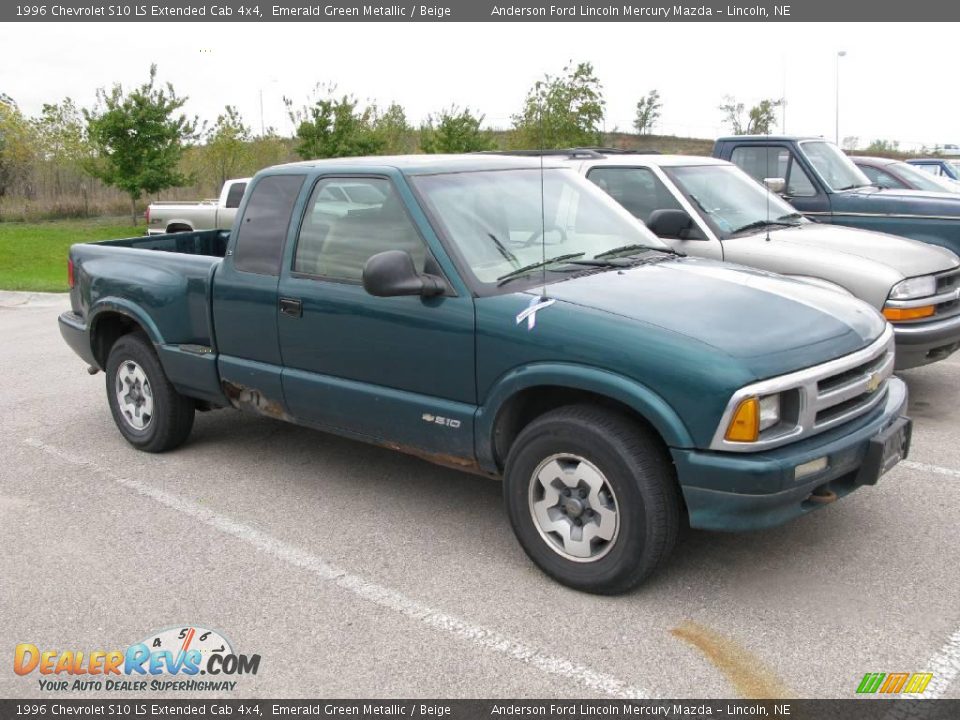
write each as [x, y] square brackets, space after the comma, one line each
[853, 391]
[948, 298]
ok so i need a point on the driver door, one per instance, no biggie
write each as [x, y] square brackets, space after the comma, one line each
[777, 161]
[394, 369]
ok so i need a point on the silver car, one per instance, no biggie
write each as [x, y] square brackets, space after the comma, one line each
[711, 208]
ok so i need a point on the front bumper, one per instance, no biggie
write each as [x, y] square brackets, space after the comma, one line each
[742, 491]
[925, 343]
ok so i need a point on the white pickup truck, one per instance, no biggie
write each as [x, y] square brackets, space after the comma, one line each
[186, 216]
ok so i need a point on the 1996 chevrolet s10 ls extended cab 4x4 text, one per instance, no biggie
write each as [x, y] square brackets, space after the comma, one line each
[617, 387]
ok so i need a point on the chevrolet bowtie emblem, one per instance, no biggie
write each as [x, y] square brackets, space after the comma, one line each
[873, 382]
[530, 314]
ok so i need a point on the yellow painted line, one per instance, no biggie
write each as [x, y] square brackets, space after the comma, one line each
[741, 668]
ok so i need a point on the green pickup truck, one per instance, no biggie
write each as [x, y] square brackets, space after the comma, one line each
[496, 316]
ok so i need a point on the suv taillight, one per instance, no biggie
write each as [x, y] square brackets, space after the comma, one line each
[70, 279]
[146, 214]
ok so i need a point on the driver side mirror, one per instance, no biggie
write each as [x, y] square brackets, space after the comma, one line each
[671, 224]
[392, 273]
[775, 184]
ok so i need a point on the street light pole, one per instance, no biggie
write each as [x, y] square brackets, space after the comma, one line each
[840, 54]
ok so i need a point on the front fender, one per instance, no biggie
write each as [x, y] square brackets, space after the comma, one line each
[622, 389]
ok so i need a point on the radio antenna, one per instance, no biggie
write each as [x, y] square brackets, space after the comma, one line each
[543, 212]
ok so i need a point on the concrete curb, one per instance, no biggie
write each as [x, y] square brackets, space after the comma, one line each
[16, 299]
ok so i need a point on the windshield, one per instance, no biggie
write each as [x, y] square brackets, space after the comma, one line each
[921, 180]
[495, 222]
[729, 199]
[836, 169]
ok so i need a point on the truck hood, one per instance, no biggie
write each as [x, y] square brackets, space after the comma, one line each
[830, 252]
[770, 323]
[907, 202]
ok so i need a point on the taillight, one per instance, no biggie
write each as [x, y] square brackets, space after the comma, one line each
[146, 214]
[70, 280]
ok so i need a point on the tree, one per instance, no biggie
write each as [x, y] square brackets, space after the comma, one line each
[648, 112]
[394, 130]
[759, 120]
[883, 147]
[851, 142]
[17, 148]
[228, 145]
[139, 138]
[333, 126]
[562, 111]
[455, 131]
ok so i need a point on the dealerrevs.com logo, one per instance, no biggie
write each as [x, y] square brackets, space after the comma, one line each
[169, 660]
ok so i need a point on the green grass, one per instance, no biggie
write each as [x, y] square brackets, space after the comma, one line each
[33, 256]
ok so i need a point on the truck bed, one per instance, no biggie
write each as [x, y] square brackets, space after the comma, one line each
[201, 242]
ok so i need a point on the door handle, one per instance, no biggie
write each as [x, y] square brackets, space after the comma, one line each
[291, 307]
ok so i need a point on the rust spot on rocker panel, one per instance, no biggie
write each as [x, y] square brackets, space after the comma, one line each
[244, 398]
[451, 461]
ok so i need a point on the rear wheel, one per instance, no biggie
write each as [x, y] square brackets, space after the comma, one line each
[592, 498]
[150, 414]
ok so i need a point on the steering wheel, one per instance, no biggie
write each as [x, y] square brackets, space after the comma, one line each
[536, 234]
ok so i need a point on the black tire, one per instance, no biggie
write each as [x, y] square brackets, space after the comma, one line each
[633, 464]
[171, 419]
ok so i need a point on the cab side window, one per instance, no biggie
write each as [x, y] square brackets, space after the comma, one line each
[266, 219]
[347, 221]
[881, 178]
[637, 189]
[768, 161]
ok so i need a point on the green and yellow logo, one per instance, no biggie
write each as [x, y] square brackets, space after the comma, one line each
[894, 683]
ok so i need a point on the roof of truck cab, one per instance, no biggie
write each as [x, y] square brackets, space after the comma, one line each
[428, 164]
[630, 159]
[770, 138]
[871, 160]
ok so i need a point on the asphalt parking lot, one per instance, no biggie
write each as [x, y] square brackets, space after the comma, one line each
[358, 572]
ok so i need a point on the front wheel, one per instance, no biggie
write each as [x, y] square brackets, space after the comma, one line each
[592, 498]
[150, 414]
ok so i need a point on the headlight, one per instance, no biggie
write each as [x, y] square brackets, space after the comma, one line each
[912, 288]
[752, 416]
[769, 411]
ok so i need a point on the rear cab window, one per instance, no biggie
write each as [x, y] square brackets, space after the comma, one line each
[235, 195]
[263, 228]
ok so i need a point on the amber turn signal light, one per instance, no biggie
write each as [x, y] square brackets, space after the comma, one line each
[745, 424]
[894, 314]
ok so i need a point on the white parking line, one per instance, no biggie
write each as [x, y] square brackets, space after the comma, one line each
[370, 591]
[945, 666]
[935, 469]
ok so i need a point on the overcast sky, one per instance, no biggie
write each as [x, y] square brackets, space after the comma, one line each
[893, 79]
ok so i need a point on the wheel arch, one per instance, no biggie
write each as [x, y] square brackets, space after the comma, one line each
[112, 319]
[525, 394]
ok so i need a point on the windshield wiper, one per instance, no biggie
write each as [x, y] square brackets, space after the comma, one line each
[758, 224]
[503, 249]
[854, 187]
[624, 249]
[513, 274]
[791, 216]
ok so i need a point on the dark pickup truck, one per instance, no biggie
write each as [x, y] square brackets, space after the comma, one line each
[819, 180]
[498, 317]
